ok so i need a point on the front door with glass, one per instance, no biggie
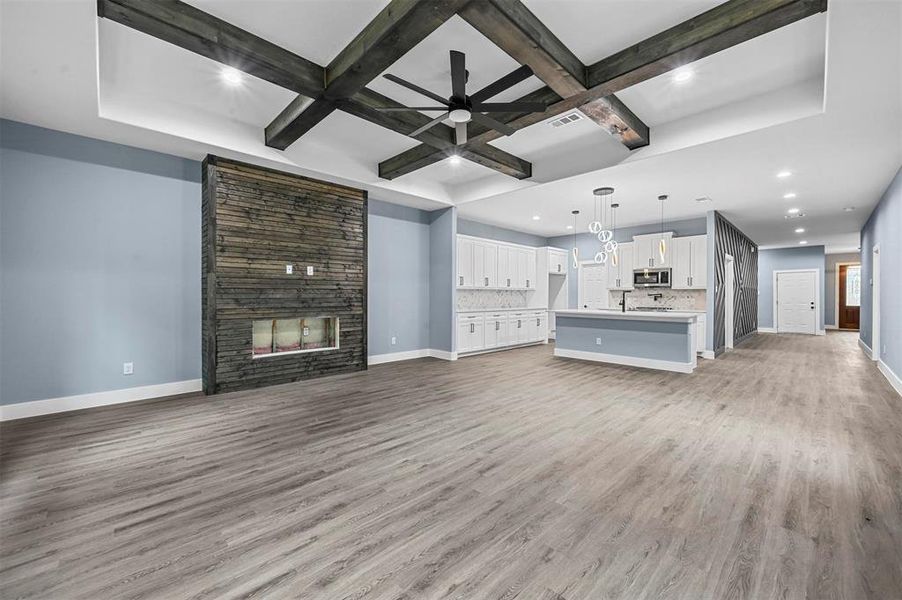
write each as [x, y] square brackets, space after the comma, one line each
[849, 296]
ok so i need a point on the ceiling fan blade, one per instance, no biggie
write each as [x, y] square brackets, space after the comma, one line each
[509, 80]
[416, 88]
[490, 122]
[431, 123]
[414, 108]
[510, 107]
[458, 74]
[460, 133]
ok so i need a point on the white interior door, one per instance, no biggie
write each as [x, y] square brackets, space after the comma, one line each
[593, 286]
[797, 302]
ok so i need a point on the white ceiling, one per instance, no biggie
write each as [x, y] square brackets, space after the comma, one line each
[749, 111]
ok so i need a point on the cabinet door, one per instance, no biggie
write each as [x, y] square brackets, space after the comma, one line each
[490, 265]
[556, 262]
[542, 324]
[642, 255]
[465, 262]
[463, 336]
[532, 328]
[530, 279]
[625, 267]
[682, 263]
[521, 262]
[477, 334]
[493, 330]
[699, 262]
[504, 267]
[479, 265]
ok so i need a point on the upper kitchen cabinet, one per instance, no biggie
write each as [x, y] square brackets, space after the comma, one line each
[690, 263]
[465, 265]
[620, 275]
[557, 261]
[486, 264]
[647, 254]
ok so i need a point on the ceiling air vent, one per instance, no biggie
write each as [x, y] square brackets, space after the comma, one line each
[567, 119]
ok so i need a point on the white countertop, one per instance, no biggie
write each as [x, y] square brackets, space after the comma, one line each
[462, 311]
[631, 315]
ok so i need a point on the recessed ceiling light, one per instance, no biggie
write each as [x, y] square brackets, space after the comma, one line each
[803, 242]
[849, 208]
[683, 75]
[789, 196]
[535, 217]
[454, 160]
[793, 211]
[800, 230]
[569, 226]
[783, 174]
[231, 76]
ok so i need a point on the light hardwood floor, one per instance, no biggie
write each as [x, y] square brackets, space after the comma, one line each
[773, 472]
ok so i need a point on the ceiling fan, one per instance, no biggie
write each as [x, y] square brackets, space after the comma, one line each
[461, 108]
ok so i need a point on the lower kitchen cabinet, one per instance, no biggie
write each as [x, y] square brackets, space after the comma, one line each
[478, 332]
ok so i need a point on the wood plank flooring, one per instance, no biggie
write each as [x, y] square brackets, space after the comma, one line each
[773, 472]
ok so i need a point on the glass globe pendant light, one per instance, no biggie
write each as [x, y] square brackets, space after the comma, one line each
[574, 251]
[604, 235]
[662, 245]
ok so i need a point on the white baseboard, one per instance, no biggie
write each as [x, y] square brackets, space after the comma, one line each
[766, 330]
[890, 376]
[866, 348]
[36, 408]
[709, 354]
[378, 359]
[822, 332]
[831, 327]
[442, 354]
[629, 361]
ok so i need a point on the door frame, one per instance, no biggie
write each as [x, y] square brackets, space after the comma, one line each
[817, 298]
[729, 301]
[875, 304]
[835, 324]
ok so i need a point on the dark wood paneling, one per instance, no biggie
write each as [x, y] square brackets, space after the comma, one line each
[728, 239]
[256, 221]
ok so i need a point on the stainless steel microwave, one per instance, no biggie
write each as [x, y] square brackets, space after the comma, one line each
[651, 278]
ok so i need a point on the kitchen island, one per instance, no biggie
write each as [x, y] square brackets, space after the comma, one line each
[654, 340]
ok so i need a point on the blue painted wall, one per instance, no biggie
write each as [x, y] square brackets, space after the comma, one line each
[588, 244]
[831, 272]
[884, 227]
[491, 232]
[99, 265]
[442, 268]
[803, 257]
[398, 273]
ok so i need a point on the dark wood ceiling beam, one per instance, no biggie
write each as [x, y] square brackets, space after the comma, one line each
[396, 29]
[187, 27]
[517, 31]
[722, 27]
[192, 29]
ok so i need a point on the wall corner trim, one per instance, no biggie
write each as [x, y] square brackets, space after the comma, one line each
[36, 408]
[866, 348]
[709, 354]
[766, 330]
[442, 354]
[890, 376]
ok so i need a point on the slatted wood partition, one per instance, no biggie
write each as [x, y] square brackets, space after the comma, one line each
[255, 222]
[728, 239]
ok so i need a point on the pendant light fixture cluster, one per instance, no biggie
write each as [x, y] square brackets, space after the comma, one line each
[599, 226]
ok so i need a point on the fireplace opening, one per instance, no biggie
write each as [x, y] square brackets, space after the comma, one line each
[278, 337]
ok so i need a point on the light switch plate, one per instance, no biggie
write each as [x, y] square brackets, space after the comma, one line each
[309, 269]
[394, 340]
[289, 269]
[128, 368]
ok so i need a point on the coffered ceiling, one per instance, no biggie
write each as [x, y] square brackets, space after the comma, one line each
[741, 109]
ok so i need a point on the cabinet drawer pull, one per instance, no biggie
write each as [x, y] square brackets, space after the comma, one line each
[497, 325]
[518, 323]
[527, 283]
[461, 280]
[472, 327]
[486, 282]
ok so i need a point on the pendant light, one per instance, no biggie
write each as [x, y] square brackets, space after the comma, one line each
[574, 251]
[662, 245]
[615, 260]
[603, 197]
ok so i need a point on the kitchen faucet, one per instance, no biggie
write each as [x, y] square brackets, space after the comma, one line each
[622, 303]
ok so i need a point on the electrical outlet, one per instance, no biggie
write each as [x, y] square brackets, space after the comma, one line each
[289, 269]
[309, 269]
[128, 368]
[394, 340]
[598, 341]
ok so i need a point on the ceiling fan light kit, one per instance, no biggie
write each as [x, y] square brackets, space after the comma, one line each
[461, 109]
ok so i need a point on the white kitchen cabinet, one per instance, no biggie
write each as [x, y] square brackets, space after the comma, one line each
[517, 328]
[495, 330]
[690, 262]
[485, 261]
[531, 268]
[470, 332]
[646, 251]
[540, 318]
[620, 276]
[557, 262]
[465, 264]
[508, 267]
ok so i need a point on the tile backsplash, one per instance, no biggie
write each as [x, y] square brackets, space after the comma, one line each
[480, 299]
[675, 299]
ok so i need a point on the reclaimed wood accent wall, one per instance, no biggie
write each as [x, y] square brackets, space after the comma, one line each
[255, 222]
